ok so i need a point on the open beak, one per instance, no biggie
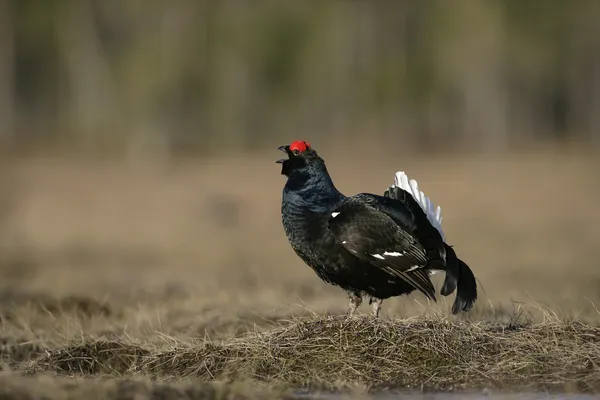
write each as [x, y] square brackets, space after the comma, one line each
[283, 148]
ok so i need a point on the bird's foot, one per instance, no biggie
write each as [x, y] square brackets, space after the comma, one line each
[355, 301]
[376, 306]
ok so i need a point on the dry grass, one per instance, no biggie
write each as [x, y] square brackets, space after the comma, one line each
[424, 353]
[335, 353]
[173, 283]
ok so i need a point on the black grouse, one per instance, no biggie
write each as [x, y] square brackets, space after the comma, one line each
[367, 244]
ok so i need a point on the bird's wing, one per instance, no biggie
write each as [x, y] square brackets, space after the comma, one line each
[375, 238]
[402, 208]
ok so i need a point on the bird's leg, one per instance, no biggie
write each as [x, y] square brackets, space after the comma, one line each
[355, 301]
[376, 306]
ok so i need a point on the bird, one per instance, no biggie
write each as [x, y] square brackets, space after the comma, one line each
[369, 245]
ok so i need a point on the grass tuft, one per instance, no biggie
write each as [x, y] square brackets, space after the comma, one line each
[90, 358]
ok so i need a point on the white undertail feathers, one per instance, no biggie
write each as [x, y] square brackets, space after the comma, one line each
[434, 214]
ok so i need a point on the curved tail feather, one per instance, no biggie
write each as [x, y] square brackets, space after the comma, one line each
[460, 277]
[466, 293]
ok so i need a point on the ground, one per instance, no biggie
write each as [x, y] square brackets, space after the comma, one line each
[178, 281]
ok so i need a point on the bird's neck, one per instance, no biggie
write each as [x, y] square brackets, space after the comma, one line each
[312, 189]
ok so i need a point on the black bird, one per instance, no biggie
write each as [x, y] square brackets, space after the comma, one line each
[367, 244]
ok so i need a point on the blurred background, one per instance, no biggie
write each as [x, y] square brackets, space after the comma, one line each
[138, 138]
[193, 77]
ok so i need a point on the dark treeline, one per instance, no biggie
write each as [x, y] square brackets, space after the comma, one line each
[190, 76]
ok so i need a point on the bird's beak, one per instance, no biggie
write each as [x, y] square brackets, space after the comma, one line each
[283, 148]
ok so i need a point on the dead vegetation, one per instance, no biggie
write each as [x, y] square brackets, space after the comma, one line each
[335, 353]
[422, 353]
[211, 314]
[91, 357]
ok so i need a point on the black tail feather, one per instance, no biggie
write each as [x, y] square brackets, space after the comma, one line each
[466, 294]
[459, 277]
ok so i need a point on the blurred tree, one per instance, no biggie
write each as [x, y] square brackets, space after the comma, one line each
[153, 78]
[7, 61]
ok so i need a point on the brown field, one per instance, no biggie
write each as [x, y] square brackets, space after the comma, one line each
[178, 281]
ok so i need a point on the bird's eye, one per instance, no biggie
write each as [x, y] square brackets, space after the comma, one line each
[296, 152]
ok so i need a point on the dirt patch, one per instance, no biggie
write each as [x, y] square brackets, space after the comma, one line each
[14, 386]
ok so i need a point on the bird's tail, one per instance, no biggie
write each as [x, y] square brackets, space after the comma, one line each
[434, 214]
[460, 277]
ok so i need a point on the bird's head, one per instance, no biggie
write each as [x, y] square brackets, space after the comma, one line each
[301, 158]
